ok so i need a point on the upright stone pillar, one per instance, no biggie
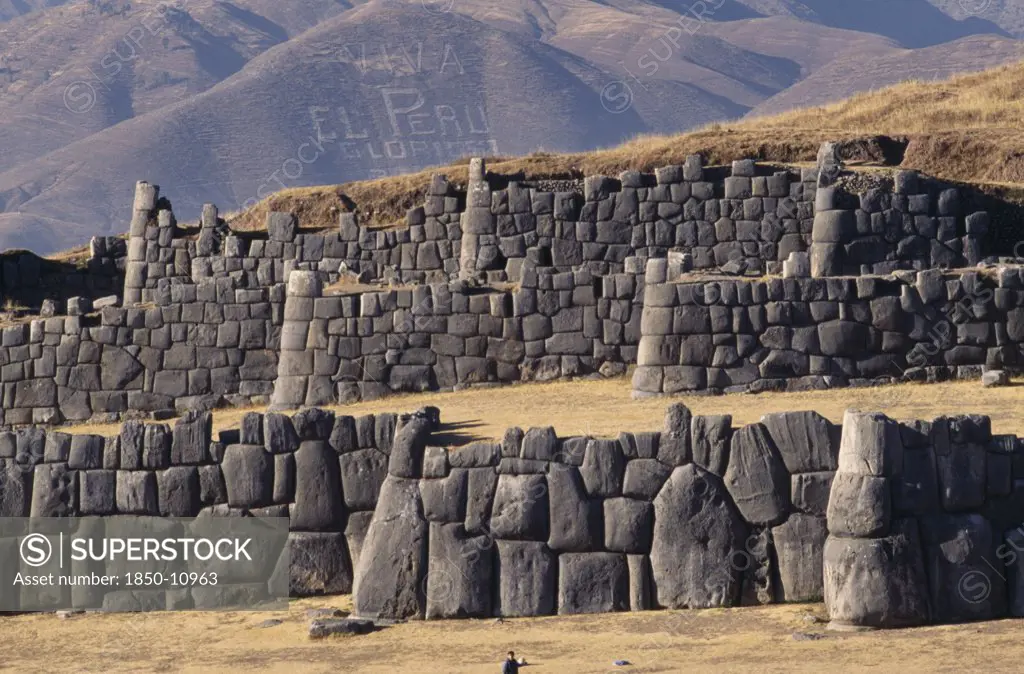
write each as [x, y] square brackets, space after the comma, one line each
[295, 380]
[146, 196]
[478, 222]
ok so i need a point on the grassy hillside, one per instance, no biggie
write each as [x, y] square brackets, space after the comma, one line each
[967, 128]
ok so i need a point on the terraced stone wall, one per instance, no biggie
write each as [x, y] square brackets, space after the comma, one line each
[321, 471]
[809, 333]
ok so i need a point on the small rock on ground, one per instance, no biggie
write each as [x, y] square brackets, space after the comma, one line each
[319, 629]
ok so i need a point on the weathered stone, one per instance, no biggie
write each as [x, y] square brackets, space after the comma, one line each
[799, 545]
[871, 445]
[859, 505]
[807, 441]
[674, 448]
[393, 562]
[576, 522]
[520, 510]
[362, 474]
[644, 478]
[191, 438]
[527, 576]
[877, 582]
[965, 580]
[54, 491]
[628, 525]
[540, 444]
[696, 532]
[810, 492]
[459, 575]
[756, 477]
[409, 445]
[319, 505]
[592, 582]
[178, 491]
[137, 493]
[319, 564]
[249, 476]
[710, 442]
[603, 468]
[444, 500]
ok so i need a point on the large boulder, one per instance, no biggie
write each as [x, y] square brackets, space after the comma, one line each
[459, 575]
[576, 520]
[527, 575]
[756, 477]
[520, 509]
[444, 499]
[592, 582]
[877, 582]
[799, 545]
[810, 492]
[709, 437]
[319, 505]
[697, 531]
[603, 468]
[966, 581]
[644, 478]
[409, 446]
[859, 505]
[319, 564]
[628, 525]
[871, 445]
[674, 447]
[393, 560]
[362, 474]
[248, 475]
[807, 441]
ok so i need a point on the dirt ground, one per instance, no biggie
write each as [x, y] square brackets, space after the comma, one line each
[604, 408]
[761, 639]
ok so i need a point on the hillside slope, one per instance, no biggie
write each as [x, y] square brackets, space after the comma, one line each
[966, 128]
[215, 100]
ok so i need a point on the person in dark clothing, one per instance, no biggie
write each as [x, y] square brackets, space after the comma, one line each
[510, 666]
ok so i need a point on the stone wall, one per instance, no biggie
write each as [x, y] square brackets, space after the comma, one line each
[365, 345]
[699, 515]
[811, 333]
[322, 471]
[199, 346]
[26, 279]
[919, 224]
[925, 523]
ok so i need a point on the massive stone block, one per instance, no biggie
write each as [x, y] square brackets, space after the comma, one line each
[592, 582]
[520, 510]
[674, 448]
[859, 505]
[871, 445]
[603, 468]
[799, 546]
[137, 493]
[628, 525]
[444, 499]
[527, 576]
[319, 564]
[409, 445]
[362, 474]
[697, 530]
[459, 573]
[877, 582]
[644, 478]
[576, 520]
[756, 477]
[483, 482]
[249, 476]
[710, 442]
[393, 561]
[810, 492]
[178, 491]
[54, 491]
[807, 441]
[966, 581]
[319, 505]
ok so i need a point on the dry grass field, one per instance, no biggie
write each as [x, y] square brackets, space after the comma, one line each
[603, 408]
[768, 639]
[760, 639]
